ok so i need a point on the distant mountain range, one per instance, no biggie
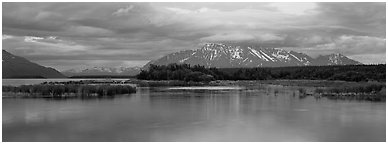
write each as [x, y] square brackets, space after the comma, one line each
[235, 56]
[98, 71]
[19, 67]
[210, 55]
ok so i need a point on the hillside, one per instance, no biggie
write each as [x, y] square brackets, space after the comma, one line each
[19, 67]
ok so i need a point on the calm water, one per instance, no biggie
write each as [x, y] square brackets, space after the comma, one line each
[268, 113]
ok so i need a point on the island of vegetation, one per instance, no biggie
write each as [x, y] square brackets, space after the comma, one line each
[86, 88]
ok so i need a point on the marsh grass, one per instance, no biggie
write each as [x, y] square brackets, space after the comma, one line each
[360, 91]
[302, 91]
[68, 90]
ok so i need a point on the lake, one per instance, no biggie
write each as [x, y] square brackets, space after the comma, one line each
[266, 113]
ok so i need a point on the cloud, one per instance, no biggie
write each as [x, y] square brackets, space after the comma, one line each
[361, 45]
[236, 37]
[32, 38]
[123, 11]
[179, 10]
[187, 11]
[366, 17]
[33, 45]
[89, 31]
[353, 46]
[229, 37]
[147, 31]
[7, 37]
[370, 58]
[269, 37]
[294, 8]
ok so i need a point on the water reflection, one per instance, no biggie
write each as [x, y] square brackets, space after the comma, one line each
[266, 113]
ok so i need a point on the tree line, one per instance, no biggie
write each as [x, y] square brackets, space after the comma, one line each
[186, 72]
[183, 72]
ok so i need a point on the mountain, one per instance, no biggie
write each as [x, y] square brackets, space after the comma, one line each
[334, 59]
[233, 56]
[19, 67]
[98, 71]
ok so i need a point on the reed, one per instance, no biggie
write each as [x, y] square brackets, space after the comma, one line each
[302, 91]
[364, 91]
[66, 90]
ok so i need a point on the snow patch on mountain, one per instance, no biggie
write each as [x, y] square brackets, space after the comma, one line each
[272, 59]
[257, 53]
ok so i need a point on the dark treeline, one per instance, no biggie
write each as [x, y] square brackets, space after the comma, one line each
[200, 73]
[183, 72]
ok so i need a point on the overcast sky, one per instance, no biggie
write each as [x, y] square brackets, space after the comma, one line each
[74, 35]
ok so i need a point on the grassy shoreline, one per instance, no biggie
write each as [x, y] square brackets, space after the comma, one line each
[308, 83]
[370, 91]
[67, 90]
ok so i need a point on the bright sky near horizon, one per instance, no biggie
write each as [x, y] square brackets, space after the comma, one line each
[71, 35]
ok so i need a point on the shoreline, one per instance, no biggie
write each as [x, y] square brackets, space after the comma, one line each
[371, 91]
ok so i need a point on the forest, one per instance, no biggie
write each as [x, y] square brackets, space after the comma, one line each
[186, 72]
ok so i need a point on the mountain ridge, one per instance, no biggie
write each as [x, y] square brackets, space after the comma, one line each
[96, 71]
[220, 55]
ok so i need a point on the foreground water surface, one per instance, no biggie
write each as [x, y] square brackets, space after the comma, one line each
[267, 113]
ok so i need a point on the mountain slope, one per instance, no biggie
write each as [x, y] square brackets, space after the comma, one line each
[233, 56]
[334, 59]
[98, 71]
[19, 67]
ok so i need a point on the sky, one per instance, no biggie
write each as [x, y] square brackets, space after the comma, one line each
[80, 35]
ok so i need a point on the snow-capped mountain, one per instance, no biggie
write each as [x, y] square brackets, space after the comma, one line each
[124, 71]
[334, 59]
[232, 56]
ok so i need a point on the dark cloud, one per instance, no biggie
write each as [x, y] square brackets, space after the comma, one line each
[362, 16]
